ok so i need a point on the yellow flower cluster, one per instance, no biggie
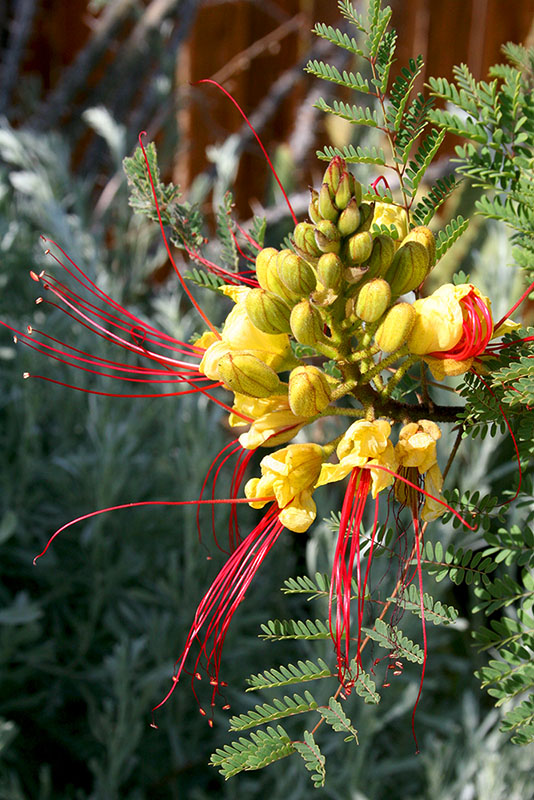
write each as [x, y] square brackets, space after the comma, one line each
[291, 475]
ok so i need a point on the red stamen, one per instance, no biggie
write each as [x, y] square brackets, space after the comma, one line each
[166, 243]
[263, 150]
[516, 305]
[422, 609]
[377, 181]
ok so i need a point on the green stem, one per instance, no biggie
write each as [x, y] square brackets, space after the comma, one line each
[399, 375]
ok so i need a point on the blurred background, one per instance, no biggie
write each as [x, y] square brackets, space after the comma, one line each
[88, 638]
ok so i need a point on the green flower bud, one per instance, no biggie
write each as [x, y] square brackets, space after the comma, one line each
[327, 209]
[295, 273]
[373, 299]
[333, 173]
[355, 189]
[381, 257]
[309, 391]
[306, 323]
[393, 332]
[367, 211]
[267, 312]
[409, 268]
[359, 247]
[330, 271]
[246, 374]
[424, 236]
[327, 237]
[304, 238]
[349, 219]
[343, 193]
[263, 259]
[313, 208]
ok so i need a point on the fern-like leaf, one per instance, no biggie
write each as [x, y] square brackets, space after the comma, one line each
[277, 709]
[435, 611]
[392, 639]
[335, 716]
[313, 758]
[288, 674]
[277, 629]
[446, 238]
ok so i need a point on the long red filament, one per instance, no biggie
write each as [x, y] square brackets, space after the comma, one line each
[422, 610]
[263, 150]
[166, 243]
[516, 305]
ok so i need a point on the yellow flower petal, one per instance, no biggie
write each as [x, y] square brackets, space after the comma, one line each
[299, 514]
[433, 485]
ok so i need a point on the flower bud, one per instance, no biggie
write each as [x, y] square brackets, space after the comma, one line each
[373, 299]
[304, 238]
[330, 271]
[395, 328]
[333, 173]
[306, 323]
[246, 374]
[359, 247]
[409, 268]
[366, 215]
[424, 236]
[327, 209]
[263, 259]
[295, 273]
[327, 237]
[349, 219]
[309, 391]
[343, 193]
[355, 189]
[381, 257]
[313, 208]
[267, 312]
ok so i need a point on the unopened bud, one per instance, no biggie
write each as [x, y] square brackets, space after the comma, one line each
[327, 209]
[424, 236]
[343, 193]
[359, 247]
[304, 238]
[313, 208]
[333, 173]
[330, 271]
[309, 391]
[373, 299]
[327, 237]
[355, 188]
[295, 273]
[381, 257]
[246, 374]
[367, 211]
[409, 268]
[349, 219]
[263, 259]
[267, 312]
[395, 328]
[306, 323]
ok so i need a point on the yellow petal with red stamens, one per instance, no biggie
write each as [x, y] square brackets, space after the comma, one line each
[439, 319]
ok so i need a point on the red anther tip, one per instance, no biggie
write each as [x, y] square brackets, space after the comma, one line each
[175, 678]
[29, 329]
[15, 339]
[210, 723]
[208, 558]
[214, 682]
[223, 683]
[198, 676]
[385, 685]
[226, 707]
[34, 562]
[38, 301]
[26, 375]
[201, 711]
[34, 276]
[153, 725]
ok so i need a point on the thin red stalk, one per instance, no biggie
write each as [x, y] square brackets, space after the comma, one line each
[422, 609]
[263, 150]
[143, 503]
[166, 243]
[516, 305]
